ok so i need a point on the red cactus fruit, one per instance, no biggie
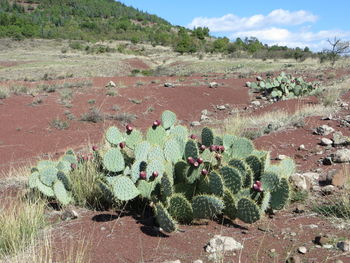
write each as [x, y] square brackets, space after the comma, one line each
[156, 123]
[203, 147]
[196, 164]
[257, 186]
[193, 136]
[155, 174]
[95, 148]
[221, 148]
[200, 160]
[85, 158]
[122, 145]
[204, 172]
[190, 160]
[129, 128]
[212, 148]
[143, 175]
[73, 166]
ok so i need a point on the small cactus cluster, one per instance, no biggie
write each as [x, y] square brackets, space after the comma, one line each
[52, 178]
[284, 86]
[186, 177]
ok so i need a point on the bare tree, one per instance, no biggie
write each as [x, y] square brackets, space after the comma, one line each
[338, 48]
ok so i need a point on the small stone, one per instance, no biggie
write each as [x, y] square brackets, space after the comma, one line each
[323, 130]
[293, 234]
[339, 261]
[326, 142]
[198, 261]
[272, 250]
[204, 117]
[328, 189]
[341, 156]
[195, 123]
[340, 139]
[299, 209]
[340, 178]
[302, 250]
[313, 226]
[213, 85]
[168, 85]
[256, 103]
[221, 107]
[294, 259]
[302, 147]
[69, 214]
[322, 240]
[311, 177]
[344, 105]
[111, 84]
[327, 161]
[103, 228]
[327, 246]
[327, 118]
[172, 261]
[281, 157]
[344, 245]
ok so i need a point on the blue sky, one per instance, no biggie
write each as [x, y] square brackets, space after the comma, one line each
[293, 23]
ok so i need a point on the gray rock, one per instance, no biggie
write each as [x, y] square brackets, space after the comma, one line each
[323, 130]
[204, 112]
[195, 123]
[256, 103]
[221, 107]
[344, 245]
[328, 189]
[111, 84]
[344, 105]
[327, 161]
[326, 142]
[198, 261]
[312, 177]
[204, 117]
[327, 246]
[302, 250]
[300, 182]
[222, 244]
[340, 139]
[302, 147]
[168, 85]
[69, 214]
[213, 85]
[172, 261]
[341, 156]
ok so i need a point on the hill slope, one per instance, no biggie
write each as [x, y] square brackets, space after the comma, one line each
[79, 19]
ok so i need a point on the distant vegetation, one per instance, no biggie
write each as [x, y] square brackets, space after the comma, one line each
[96, 20]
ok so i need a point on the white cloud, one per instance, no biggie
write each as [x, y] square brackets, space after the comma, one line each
[281, 27]
[231, 22]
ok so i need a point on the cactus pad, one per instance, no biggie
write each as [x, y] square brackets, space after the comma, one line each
[113, 160]
[132, 139]
[207, 206]
[156, 135]
[124, 189]
[247, 211]
[141, 151]
[255, 164]
[232, 178]
[191, 149]
[180, 208]
[216, 184]
[168, 119]
[48, 175]
[114, 136]
[62, 195]
[279, 198]
[164, 219]
[172, 150]
[207, 137]
[230, 204]
[270, 181]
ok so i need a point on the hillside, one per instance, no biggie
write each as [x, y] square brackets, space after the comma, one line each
[79, 19]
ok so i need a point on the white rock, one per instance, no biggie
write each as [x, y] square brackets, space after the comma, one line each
[326, 141]
[168, 85]
[344, 105]
[256, 103]
[327, 246]
[111, 84]
[302, 147]
[302, 250]
[312, 177]
[195, 123]
[341, 156]
[324, 130]
[213, 85]
[198, 261]
[204, 117]
[221, 107]
[172, 261]
[281, 157]
[205, 112]
[222, 244]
